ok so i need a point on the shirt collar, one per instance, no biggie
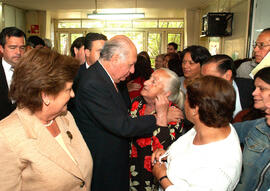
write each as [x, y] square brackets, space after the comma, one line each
[107, 72]
[6, 65]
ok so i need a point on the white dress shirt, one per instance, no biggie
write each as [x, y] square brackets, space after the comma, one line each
[8, 71]
[238, 106]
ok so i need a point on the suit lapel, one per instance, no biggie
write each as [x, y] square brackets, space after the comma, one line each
[69, 142]
[48, 146]
[3, 80]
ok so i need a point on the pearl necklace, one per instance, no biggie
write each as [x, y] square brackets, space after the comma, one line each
[49, 124]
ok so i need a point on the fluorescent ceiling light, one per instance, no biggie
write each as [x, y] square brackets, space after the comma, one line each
[116, 16]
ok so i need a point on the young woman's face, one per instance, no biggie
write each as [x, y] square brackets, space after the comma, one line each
[261, 93]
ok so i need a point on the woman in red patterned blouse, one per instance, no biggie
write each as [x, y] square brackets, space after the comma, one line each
[162, 81]
[142, 73]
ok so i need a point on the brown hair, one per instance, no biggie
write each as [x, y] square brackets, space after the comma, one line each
[41, 70]
[215, 98]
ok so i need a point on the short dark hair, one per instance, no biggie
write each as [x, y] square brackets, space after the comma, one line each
[175, 65]
[266, 30]
[9, 32]
[199, 54]
[77, 43]
[145, 55]
[224, 62]
[263, 74]
[215, 98]
[172, 55]
[142, 68]
[175, 46]
[41, 70]
[34, 40]
[90, 37]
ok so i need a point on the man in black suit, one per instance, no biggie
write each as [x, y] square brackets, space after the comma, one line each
[93, 44]
[88, 49]
[222, 65]
[103, 119]
[12, 46]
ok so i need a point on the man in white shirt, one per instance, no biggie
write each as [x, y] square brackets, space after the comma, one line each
[12, 46]
[172, 47]
[222, 66]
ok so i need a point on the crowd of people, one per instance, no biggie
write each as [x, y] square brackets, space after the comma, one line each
[103, 119]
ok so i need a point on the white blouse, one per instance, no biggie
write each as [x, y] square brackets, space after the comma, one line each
[213, 166]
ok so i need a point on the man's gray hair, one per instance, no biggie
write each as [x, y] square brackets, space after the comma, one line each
[173, 84]
[114, 46]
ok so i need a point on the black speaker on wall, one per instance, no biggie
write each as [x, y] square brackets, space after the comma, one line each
[217, 24]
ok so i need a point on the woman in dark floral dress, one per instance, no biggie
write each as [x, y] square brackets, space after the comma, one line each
[162, 81]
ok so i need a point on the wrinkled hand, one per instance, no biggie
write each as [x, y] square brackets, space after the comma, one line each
[162, 106]
[175, 114]
[156, 154]
[159, 170]
[133, 86]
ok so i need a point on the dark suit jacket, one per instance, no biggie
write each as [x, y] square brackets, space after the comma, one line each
[6, 106]
[245, 87]
[103, 119]
[71, 103]
[122, 87]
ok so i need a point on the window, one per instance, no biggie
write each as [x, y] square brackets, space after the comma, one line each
[74, 36]
[151, 35]
[69, 24]
[175, 38]
[64, 45]
[154, 46]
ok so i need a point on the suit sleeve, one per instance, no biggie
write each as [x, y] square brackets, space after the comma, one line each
[97, 103]
[10, 176]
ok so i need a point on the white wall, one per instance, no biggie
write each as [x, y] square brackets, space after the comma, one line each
[235, 45]
[13, 16]
[192, 27]
[260, 21]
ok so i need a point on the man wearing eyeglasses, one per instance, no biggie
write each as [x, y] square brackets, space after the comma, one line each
[260, 49]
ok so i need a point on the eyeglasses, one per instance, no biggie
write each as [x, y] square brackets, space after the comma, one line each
[260, 45]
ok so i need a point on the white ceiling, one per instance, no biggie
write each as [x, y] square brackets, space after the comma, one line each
[60, 7]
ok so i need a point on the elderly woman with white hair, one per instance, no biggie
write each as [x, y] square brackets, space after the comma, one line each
[166, 82]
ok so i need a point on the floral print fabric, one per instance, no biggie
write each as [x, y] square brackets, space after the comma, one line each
[141, 178]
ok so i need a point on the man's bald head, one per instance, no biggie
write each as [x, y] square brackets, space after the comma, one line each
[262, 45]
[118, 44]
[118, 56]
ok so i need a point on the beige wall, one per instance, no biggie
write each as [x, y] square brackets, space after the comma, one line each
[36, 18]
[13, 16]
[235, 45]
[192, 27]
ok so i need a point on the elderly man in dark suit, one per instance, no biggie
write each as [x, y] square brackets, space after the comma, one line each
[222, 65]
[12, 46]
[103, 119]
